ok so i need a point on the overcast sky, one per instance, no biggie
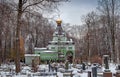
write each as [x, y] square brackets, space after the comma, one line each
[71, 12]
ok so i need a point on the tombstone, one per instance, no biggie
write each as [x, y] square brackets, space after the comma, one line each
[55, 68]
[89, 73]
[106, 59]
[66, 65]
[117, 74]
[48, 65]
[118, 67]
[29, 75]
[83, 66]
[67, 74]
[106, 72]
[94, 71]
[118, 71]
[34, 66]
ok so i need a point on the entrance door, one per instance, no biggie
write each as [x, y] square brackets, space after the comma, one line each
[69, 56]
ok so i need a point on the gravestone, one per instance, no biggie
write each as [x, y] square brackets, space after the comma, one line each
[117, 74]
[67, 74]
[106, 72]
[66, 65]
[118, 67]
[49, 66]
[94, 71]
[89, 73]
[106, 63]
[83, 66]
[118, 71]
[34, 66]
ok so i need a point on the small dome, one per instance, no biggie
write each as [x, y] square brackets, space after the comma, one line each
[59, 21]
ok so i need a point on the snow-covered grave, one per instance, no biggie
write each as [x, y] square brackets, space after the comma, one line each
[8, 70]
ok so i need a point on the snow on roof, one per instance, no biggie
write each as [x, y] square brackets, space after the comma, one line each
[61, 41]
[105, 55]
[40, 48]
[32, 55]
[48, 51]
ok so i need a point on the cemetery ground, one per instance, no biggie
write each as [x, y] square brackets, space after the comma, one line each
[57, 70]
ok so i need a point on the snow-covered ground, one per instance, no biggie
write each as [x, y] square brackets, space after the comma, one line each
[43, 71]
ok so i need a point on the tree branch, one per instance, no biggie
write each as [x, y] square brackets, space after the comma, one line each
[32, 4]
[24, 1]
[36, 3]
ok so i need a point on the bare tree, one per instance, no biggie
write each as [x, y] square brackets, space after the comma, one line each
[91, 22]
[110, 9]
[6, 26]
[22, 6]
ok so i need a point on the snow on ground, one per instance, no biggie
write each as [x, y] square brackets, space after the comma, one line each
[9, 71]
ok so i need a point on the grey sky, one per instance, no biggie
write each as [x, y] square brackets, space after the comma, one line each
[71, 12]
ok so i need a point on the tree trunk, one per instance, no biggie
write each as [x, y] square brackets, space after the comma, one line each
[88, 41]
[17, 44]
[112, 29]
[5, 51]
[0, 52]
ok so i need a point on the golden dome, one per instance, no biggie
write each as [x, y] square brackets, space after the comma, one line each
[59, 21]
